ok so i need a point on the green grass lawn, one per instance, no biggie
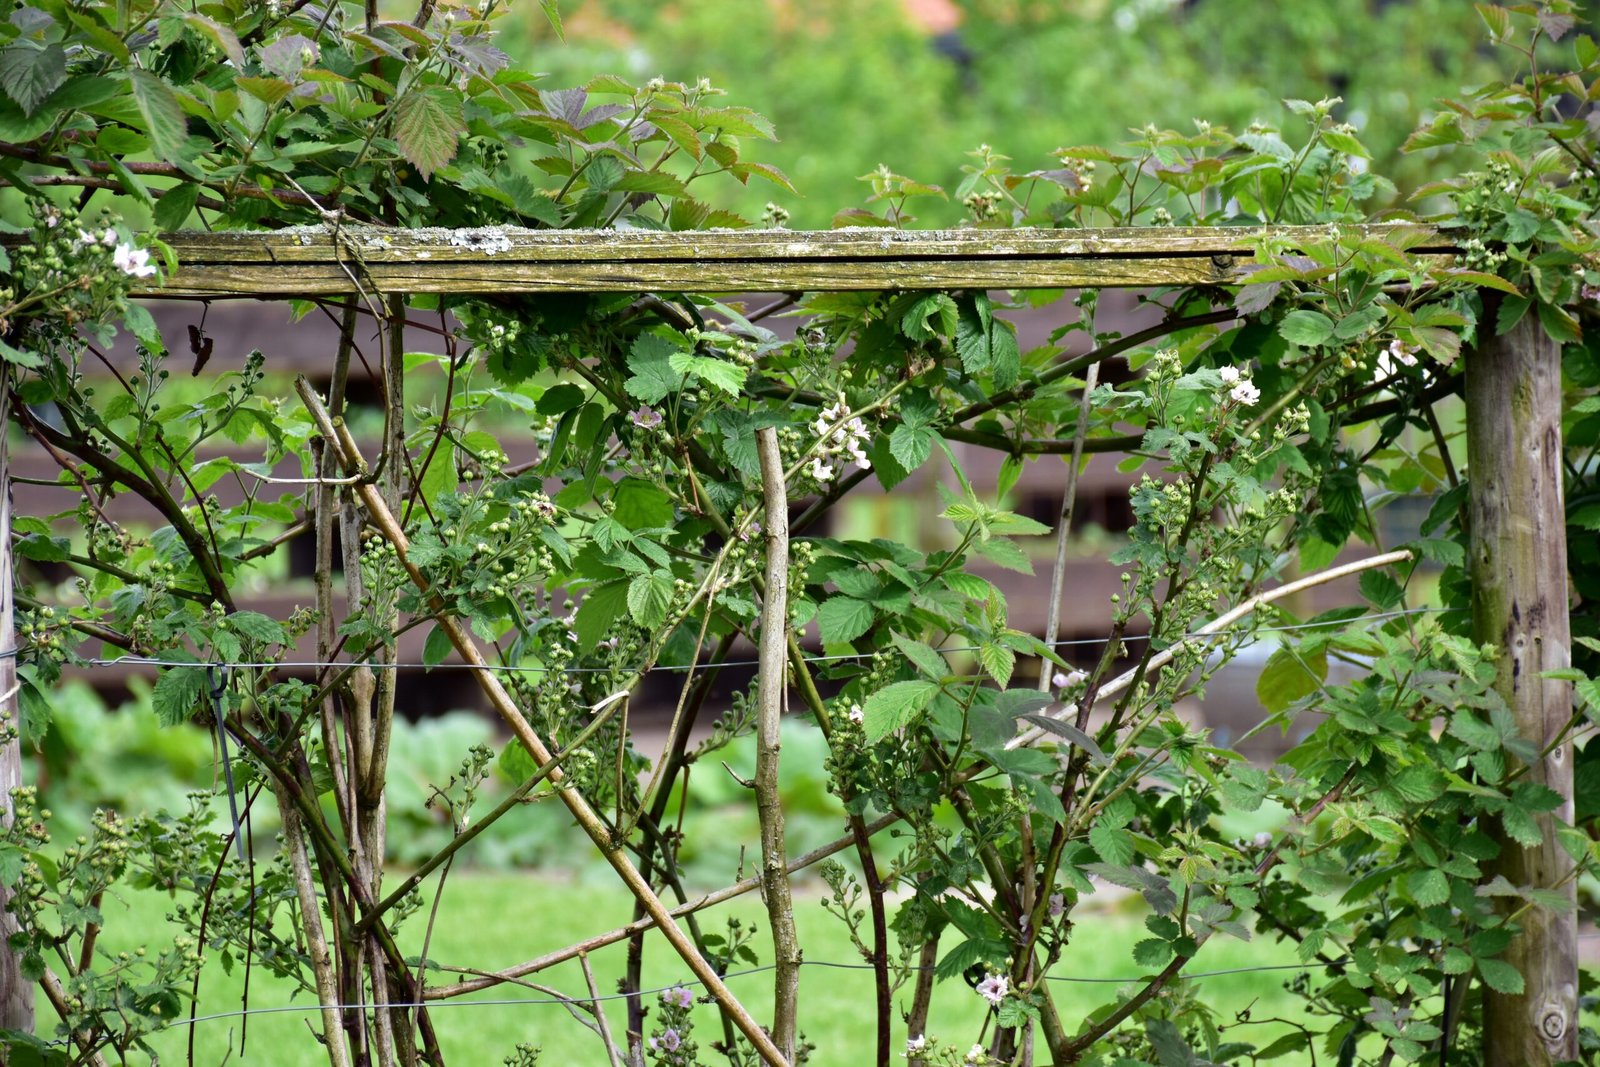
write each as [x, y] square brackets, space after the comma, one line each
[489, 921]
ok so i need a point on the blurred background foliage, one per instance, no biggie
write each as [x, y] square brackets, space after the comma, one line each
[914, 84]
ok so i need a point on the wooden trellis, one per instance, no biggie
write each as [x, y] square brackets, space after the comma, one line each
[1518, 547]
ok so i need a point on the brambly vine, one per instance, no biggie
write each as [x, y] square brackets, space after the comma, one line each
[1267, 420]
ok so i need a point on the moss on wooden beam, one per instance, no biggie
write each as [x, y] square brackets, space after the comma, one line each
[319, 261]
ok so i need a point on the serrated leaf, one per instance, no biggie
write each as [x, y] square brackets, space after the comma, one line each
[728, 377]
[163, 115]
[175, 205]
[436, 648]
[30, 72]
[1306, 328]
[650, 362]
[1500, 976]
[176, 694]
[1428, 887]
[649, 597]
[1152, 952]
[998, 661]
[601, 607]
[844, 618]
[258, 627]
[894, 706]
[1114, 845]
[1289, 676]
[910, 446]
[922, 656]
[428, 124]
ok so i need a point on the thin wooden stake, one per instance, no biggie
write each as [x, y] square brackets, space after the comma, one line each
[16, 993]
[1519, 604]
[467, 647]
[771, 685]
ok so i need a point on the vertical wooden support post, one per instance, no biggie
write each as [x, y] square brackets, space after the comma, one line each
[16, 994]
[1519, 604]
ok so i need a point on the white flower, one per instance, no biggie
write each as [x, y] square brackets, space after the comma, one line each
[1058, 905]
[916, 1044]
[1263, 839]
[1229, 375]
[87, 239]
[977, 1054]
[822, 472]
[1591, 292]
[1245, 393]
[646, 418]
[108, 238]
[856, 714]
[133, 261]
[1403, 353]
[52, 220]
[994, 988]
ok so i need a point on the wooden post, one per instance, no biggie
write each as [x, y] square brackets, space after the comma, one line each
[1519, 604]
[16, 994]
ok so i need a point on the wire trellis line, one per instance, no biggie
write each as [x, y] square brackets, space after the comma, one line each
[506, 668]
[504, 1002]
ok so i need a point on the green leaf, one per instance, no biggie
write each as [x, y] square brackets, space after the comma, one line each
[1289, 676]
[30, 72]
[843, 618]
[1152, 952]
[1428, 887]
[728, 377]
[1306, 328]
[601, 607]
[649, 597]
[427, 126]
[928, 317]
[174, 207]
[1067, 730]
[177, 692]
[893, 706]
[1004, 553]
[910, 446]
[1114, 845]
[436, 648]
[258, 627]
[163, 116]
[1500, 976]
[998, 661]
[653, 376]
[925, 658]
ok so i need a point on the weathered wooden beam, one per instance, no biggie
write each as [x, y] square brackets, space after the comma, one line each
[1519, 604]
[323, 261]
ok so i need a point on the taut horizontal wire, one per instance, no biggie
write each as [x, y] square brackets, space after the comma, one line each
[151, 661]
[540, 1001]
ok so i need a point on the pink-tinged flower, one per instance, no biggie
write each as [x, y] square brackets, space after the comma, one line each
[1229, 375]
[1591, 292]
[87, 239]
[132, 261]
[856, 714]
[977, 1054]
[108, 238]
[1263, 839]
[994, 988]
[680, 996]
[916, 1044]
[1245, 393]
[670, 1040]
[646, 418]
[1062, 679]
[1058, 905]
[822, 472]
[1402, 353]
